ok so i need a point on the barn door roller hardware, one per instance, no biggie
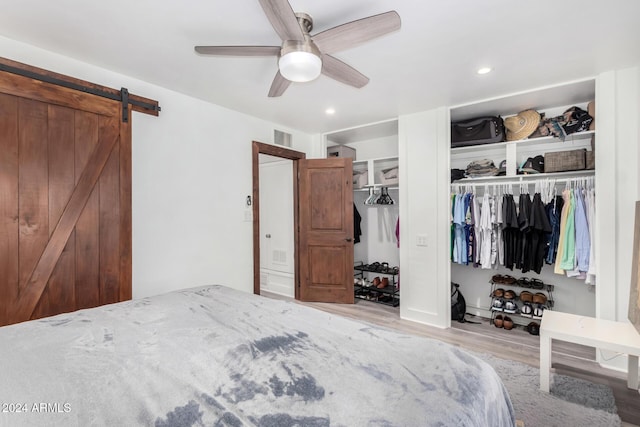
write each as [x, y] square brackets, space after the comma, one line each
[138, 103]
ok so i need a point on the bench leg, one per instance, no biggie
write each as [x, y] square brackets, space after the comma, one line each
[632, 372]
[545, 362]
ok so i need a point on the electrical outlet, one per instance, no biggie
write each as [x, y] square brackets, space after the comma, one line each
[421, 240]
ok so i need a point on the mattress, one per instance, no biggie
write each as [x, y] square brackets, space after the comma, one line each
[214, 356]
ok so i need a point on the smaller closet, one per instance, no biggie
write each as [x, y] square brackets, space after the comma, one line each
[374, 150]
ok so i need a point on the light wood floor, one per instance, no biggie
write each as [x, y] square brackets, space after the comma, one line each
[568, 359]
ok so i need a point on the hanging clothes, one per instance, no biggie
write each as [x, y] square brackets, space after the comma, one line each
[357, 219]
[591, 219]
[568, 259]
[583, 241]
[524, 211]
[510, 231]
[538, 234]
[485, 229]
[554, 210]
[562, 236]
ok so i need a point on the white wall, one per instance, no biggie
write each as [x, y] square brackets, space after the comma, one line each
[424, 182]
[191, 175]
[618, 187]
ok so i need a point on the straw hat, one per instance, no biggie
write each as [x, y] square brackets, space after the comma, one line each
[522, 125]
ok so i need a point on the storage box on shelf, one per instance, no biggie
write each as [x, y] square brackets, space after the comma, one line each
[367, 289]
[341, 151]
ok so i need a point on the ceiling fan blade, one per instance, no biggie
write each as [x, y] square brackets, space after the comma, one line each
[356, 32]
[283, 19]
[338, 70]
[238, 50]
[279, 85]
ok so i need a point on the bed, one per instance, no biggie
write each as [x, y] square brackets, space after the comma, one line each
[214, 356]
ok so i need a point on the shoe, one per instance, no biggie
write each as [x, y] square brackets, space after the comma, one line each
[497, 304]
[539, 298]
[533, 328]
[508, 280]
[383, 283]
[509, 294]
[537, 284]
[527, 309]
[498, 293]
[539, 311]
[507, 323]
[523, 282]
[526, 296]
[376, 282]
[497, 322]
[510, 306]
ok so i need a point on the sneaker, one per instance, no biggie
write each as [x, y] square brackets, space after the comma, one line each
[510, 307]
[538, 311]
[497, 304]
[527, 309]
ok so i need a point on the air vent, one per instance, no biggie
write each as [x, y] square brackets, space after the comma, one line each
[279, 256]
[282, 138]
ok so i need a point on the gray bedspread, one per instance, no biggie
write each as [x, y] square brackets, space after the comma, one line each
[213, 356]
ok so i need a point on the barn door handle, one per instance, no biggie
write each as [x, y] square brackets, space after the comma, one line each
[348, 239]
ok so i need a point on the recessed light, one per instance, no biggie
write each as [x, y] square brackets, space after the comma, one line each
[330, 111]
[484, 70]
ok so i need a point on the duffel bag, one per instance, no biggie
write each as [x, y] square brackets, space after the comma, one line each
[481, 130]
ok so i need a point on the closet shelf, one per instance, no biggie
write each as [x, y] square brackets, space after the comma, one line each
[578, 136]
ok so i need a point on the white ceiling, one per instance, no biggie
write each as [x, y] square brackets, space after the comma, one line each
[429, 63]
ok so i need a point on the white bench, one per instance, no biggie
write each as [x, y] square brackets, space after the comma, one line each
[619, 337]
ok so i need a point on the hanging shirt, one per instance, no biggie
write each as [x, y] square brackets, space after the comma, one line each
[554, 210]
[485, 232]
[510, 231]
[563, 225]
[460, 248]
[539, 228]
[498, 231]
[522, 249]
[583, 241]
[568, 260]
[591, 219]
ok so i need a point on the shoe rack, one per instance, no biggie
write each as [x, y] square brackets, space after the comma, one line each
[376, 282]
[526, 298]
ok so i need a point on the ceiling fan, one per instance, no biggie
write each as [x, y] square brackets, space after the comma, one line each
[303, 57]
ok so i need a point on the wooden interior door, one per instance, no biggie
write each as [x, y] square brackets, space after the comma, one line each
[65, 200]
[326, 230]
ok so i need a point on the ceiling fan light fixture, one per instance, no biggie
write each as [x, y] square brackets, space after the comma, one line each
[300, 62]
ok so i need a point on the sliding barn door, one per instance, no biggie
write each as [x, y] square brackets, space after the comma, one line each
[65, 200]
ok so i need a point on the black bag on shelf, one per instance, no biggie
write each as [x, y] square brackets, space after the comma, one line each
[481, 130]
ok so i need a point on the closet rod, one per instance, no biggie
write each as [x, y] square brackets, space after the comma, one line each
[556, 181]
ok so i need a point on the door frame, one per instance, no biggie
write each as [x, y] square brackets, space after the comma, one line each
[258, 148]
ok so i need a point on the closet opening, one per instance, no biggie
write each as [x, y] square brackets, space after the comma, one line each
[374, 152]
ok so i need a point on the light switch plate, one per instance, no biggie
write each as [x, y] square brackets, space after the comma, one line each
[421, 240]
